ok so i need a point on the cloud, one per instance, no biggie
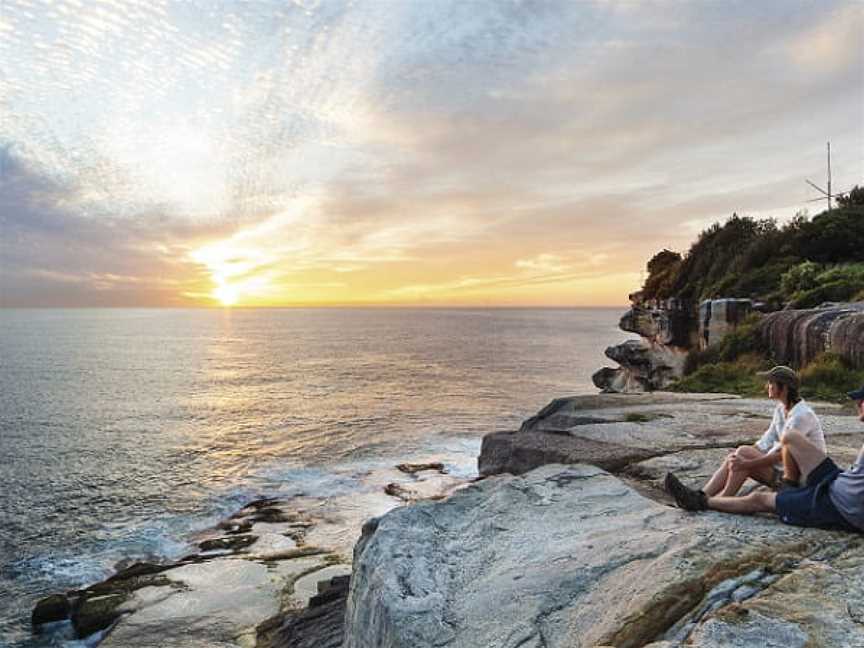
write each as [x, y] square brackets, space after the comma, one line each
[337, 151]
[51, 256]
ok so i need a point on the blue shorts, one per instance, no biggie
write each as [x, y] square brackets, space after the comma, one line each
[811, 506]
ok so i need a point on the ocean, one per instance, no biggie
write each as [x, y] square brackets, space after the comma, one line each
[124, 431]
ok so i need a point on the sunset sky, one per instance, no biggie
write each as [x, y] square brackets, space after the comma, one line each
[403, 152]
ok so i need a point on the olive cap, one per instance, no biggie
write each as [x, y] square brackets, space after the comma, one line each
[782, 375]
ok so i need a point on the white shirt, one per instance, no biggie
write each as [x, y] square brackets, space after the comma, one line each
[801, 418]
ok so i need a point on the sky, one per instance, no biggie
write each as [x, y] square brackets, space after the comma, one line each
[404, 152]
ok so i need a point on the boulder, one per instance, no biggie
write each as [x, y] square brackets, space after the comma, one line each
[645, 366]
[570, 556]
[613, 431]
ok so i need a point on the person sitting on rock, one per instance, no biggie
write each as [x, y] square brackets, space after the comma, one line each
[766, 461]
[830, 499]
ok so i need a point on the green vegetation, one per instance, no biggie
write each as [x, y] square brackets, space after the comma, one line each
[829, 378]
[802, 263]
[826, 378]
[744, 340]
[730, 377]
[809, 283]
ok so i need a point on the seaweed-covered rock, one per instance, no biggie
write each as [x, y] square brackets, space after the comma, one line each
[94, 613]
[50, 609]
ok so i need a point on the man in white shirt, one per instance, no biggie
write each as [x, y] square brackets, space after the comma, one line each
[830, 498]
[766, 461]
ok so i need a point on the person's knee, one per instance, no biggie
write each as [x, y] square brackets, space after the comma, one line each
[762, 501]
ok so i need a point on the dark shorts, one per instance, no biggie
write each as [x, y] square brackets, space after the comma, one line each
[811, 506]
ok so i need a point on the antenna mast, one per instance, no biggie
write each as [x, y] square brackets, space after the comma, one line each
[829, 176]
[827, 195]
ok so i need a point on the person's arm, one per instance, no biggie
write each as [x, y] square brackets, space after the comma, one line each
[771, 437]
[768, 459]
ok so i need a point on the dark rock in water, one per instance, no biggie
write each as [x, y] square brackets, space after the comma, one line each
[94, 613]
[232, 527]
[419, 467]
[796, 337]
[321, 625]
[234, 543]
[138, 569]
[50, 609]
[272, 515]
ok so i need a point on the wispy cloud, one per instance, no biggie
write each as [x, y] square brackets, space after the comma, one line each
[338, 152]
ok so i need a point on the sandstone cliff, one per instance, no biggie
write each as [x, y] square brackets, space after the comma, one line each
[670, 329]
[795, 337]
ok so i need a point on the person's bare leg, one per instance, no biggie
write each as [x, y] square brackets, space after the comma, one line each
[752, 503]
[737, 477]
[806, 455]
[718, 480]
[791, 470]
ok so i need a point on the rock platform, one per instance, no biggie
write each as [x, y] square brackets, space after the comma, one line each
[545, 555]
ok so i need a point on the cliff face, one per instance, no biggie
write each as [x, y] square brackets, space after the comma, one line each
[795, 337]
[669, 329]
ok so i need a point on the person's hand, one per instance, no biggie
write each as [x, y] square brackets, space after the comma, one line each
[737, 463]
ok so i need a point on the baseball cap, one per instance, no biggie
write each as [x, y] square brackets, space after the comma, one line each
[782, 375]
[858, 394]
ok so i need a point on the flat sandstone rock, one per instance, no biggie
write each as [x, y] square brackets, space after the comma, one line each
[570, 556]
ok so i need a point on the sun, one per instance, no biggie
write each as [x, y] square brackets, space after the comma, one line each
[227, 295]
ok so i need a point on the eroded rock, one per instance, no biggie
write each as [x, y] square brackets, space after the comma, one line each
[645, 366]
[796, 337]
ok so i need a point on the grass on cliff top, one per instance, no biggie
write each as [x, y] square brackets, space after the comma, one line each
[827, 378]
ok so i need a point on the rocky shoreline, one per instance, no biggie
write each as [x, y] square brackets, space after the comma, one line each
[566, 540]
[268, 574]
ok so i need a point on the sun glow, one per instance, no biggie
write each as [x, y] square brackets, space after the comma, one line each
[227, 295]
[236, 271]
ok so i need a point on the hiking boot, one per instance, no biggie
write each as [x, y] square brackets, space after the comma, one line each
[686, 498]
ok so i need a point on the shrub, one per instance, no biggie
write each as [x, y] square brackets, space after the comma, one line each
[738, 377]
[744, 340]
[800, 277]
[833, 237]
[836, 291]
[829, 378]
